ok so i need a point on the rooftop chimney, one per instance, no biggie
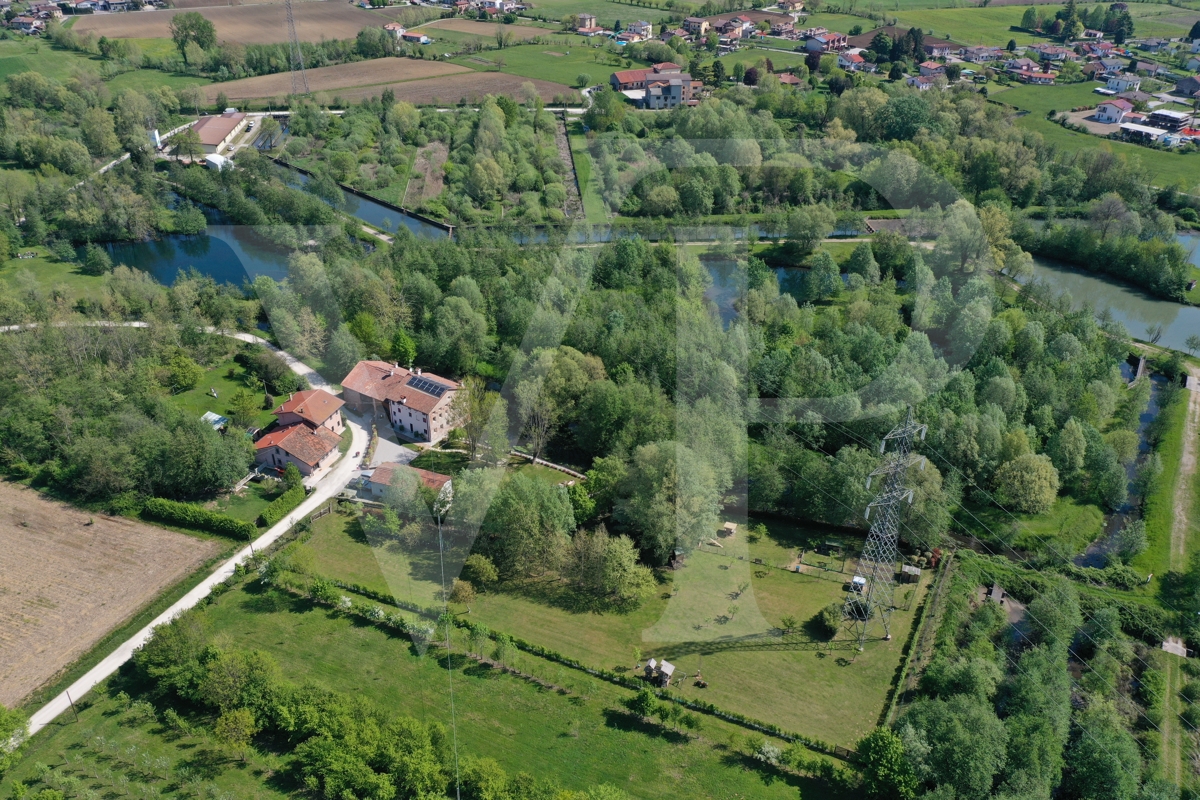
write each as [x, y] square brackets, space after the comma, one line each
[418, 370]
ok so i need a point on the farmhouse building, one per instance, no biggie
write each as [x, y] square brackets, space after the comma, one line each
[697, 26]
[1188, 86]
[316, 408]
[641, 28]
[385, 473]
[310, 449]
[395, 29]
[585, 21]
[635, 79]
[217, 130]
[932, 68]
[1036, 78]
[670, 91]
[417, 404]
[852, 62]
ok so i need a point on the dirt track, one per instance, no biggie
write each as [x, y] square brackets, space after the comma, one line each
[1183, 482]
[256, 24]
[341, 76]
[64, 584]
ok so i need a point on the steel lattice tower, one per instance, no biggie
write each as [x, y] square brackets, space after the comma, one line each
[870, 599]
[299, 79]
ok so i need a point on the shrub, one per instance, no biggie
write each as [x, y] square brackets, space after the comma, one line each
[829, 620]
[479, 570]
[1190, 691]
[187, 515]
[282, 506]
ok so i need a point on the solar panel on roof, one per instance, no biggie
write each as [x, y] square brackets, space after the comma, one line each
[422, 384]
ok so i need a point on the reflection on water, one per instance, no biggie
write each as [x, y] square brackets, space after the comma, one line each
[1135, 309]
[226, 253]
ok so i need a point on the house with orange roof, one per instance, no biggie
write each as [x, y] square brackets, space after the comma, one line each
[418, 404]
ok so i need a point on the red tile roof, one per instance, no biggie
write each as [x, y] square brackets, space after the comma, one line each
[310, 445]
[386, 471]
[312, 405]
[383, 381]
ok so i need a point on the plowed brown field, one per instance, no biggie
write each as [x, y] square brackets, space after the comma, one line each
[341, 76]
[65, 583]
[257, 24]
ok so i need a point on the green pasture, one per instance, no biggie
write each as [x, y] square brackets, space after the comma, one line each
[751, 56]
[794, 680]
[595, 210]
[607, 12]
[536, 61]
[842, 23]
[33, 54]
[145, 80]
[992, 25]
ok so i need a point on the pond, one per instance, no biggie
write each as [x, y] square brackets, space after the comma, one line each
[1134, 308]
[226, 253]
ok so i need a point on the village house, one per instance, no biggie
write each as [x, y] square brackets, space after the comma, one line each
[1055, 53]
[669, 34]
[1021, 65]
[416, 37]
[1091, 34]
[218, 130]
[1097, 49]
[830, 42]
[783, 28]
[395, 29]
[27, 25]
[696, 26]
[1036, 78]
[789, 79]
[594, 30]
[1153, 44]
[670, 91]
[385, 473]
[417, 404]
[853, 62]
[791, 6]
[641, 28]
[921, 83]
[585, 21]
[1124, 83]
[981, 55]
[1113, 111]
[932, 68]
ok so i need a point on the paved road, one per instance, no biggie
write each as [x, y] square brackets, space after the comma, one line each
[327, 487]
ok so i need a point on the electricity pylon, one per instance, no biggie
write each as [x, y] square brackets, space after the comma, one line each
[295, 56]
[869, 602]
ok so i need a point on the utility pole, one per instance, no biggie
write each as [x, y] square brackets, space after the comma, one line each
[871, 597]
[296, 56]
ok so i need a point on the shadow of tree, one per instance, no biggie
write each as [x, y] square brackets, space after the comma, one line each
[630, 723]
[206, 763]
[773, 641]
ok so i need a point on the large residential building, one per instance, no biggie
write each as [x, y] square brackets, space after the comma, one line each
[932, 68]
[641, 28]
[218, 130]
[698, 26]
[1124, 83]
[585, 21]
[635, 79]
[670, 91]
[418, 404]
[830, 42]
[310, 424]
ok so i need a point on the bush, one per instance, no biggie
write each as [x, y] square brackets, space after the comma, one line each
[479, 570]
[829, 620]
[282, 506]
[187, 515]
[1190, 691]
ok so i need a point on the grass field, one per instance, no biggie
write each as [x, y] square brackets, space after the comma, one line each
[453, 89]
[752, 55]
[198, 400]
[606, 11]
[595, 210]
[523, 726]
[794, 680]
[46, 273]
[38, 55]
[1065, 530]
[250, 502]
[1165, 167]
[535, 61]
[143, 80]
[1159, 507]
[992, 25]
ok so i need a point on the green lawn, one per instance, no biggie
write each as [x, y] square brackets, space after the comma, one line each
[441, 461]
[249, 502]
[1065, 530]
[46, 274]
[794, 681]
[198, 400]
[551, 476]
[536, 61]
[33, 54]
[144, 80]
[750, 56]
